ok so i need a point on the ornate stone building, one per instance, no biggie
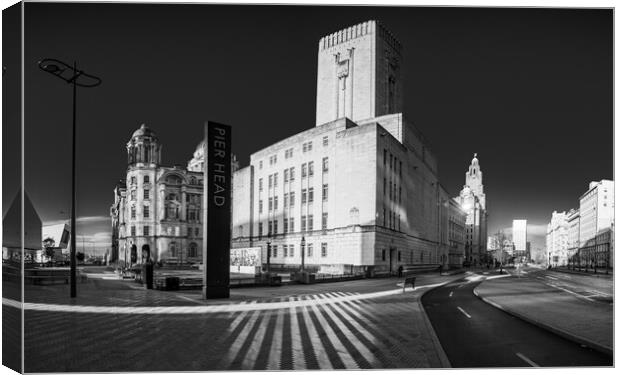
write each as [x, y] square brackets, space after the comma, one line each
[473, 200]
[156, 207]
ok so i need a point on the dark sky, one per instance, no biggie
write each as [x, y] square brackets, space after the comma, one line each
[529, 90]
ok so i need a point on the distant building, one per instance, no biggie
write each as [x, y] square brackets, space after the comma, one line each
[473, 201]
[456, 233]
[557, 239]
[156, 207]
[12, 231]
[596, 210]
[572, 220]
[361, 188]
[519, 237]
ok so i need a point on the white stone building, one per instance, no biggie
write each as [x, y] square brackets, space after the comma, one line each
[156, 207]
[361, 187]
[572, 220]
[472, 199]
[557, 239]
[596, 210]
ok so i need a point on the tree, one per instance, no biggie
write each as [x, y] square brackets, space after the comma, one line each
[48, 245]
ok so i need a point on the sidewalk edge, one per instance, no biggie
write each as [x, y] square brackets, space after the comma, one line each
[443, 358]
[558, 331]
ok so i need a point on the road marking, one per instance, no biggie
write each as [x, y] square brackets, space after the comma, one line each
[463, 311]
[527, 360]
[451, 294]
[551, 277]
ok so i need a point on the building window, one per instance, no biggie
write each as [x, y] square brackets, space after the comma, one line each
[303, 223]
[284, 251]
[310, 222]
[275, 180]
[273, 159]
[399, 255]
[291, 224]
[285, 200]
[133, 212]
[324, 249]
[133, 195]
[292, 173]
[288, 153]
[133, 230]
[146, 212]
[291, 250]
[193, 250]
[133, 180]
[270, 181]
[274, 250]
[286, 175]
[307, 146]
[292, 201]
[260, 229]
[147, 194]
[260, 184]
[311, 195]
[189, 232]
[304, 170]
[325, 141]
[304, 196]
[260, 164]
[275, 226]
[285, 221]
[270, 204]
[197, 231]
[146, 179]
[325, 164]
[275, 203]
[260, 206]
[324, 221]
[383, 254]
[270, 227]
[384, 157]
[325, 191]
[311, 168]
[310, 250]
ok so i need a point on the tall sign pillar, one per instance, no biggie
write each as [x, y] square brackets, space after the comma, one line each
[217, 218]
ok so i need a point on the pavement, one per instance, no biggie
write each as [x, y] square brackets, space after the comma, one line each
[577, 307]
[116, 325]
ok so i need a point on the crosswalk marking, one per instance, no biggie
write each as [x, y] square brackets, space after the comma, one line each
[276, 342]
[320, 352]
[299, 362]
[341, 351]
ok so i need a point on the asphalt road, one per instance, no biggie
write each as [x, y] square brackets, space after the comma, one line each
[476, 334]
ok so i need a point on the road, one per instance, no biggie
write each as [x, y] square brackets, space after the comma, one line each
[476, 334]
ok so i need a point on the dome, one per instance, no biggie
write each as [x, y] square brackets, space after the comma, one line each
[144, 131]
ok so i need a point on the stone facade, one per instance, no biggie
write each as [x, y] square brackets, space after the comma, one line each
[596, 210]
[156, 207]
[360, 189]
[557, 239]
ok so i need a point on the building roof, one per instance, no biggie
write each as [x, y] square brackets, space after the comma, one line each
[144, 131]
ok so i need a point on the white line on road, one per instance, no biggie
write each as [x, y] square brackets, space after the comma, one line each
[551, 277]
[451, 294]
[527, 360]
[463, 311]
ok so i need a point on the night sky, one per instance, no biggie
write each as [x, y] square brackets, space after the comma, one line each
[529, 90]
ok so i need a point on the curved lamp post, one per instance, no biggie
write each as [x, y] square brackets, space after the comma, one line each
[70, 74]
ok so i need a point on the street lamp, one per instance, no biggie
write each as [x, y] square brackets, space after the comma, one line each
[303, 252]
[72, 75]
[268, 255]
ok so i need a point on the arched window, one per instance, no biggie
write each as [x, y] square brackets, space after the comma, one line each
[174, 180]
[193, 250]
[172, 249]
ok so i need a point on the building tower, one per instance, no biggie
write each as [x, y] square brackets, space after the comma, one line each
[359, 74]
[473, 201]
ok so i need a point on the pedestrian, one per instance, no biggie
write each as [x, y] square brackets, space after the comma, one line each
[400, 271]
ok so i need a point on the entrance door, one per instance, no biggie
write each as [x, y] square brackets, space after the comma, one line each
[393, 261]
